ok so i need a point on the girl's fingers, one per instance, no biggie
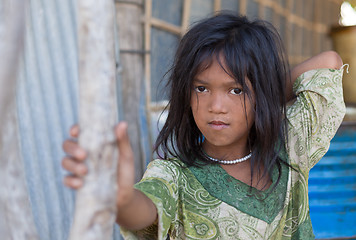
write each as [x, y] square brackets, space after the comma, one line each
[74, 131]
[123, 142]
[74, 161]
[126, 168]
[72, 148]
[74, 167]
[73, 182]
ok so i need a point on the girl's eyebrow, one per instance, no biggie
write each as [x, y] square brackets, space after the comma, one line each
[196, 80]
[232, 82]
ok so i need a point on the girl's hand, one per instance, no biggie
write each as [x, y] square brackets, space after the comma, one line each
[74, 162]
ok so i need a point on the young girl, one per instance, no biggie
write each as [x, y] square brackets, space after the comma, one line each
[236, 157]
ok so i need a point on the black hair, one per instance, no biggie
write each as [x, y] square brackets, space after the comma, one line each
[251, 49]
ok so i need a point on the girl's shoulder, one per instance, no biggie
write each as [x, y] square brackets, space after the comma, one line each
[169, 162]
[165, 167]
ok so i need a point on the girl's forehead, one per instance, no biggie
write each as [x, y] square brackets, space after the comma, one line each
[213, 59]
[222, 63]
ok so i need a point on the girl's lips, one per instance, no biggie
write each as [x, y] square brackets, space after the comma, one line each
[218, 125]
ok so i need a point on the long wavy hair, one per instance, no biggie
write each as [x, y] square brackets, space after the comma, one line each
[251, 49]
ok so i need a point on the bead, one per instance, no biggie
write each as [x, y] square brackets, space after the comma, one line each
[230, 162]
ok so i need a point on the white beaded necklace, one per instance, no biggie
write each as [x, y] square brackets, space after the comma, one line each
[230, 162]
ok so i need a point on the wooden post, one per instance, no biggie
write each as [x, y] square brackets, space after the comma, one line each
[316, 35]
[131, 28]
[243, 7]
[289, 30]
[11, 45]
[261, 10]
[217, 5]
[95, 211]
[187, 4]
[147, 65]
[16, 220]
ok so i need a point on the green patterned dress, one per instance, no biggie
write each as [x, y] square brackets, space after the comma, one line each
[208, 203]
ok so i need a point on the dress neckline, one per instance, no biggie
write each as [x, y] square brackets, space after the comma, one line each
[262, 204]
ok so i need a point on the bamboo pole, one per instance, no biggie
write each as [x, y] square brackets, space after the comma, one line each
[147, 46]
[164, 25]
[317, 16]
[217, 5]
[16, 220]
[326, 43]
[243, 7]
[261, 11]
[186, 16]
[298, 33]
[95, 211]
[147, 70]
[289, 30]
[276, 20]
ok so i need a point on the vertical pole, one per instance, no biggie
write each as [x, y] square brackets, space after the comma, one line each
[289, 31]
[261, 10]
[243, 7]
[16, 220]
[298, 40]
[130, 30]
[147, 65]
[276, 20]
[316, 34]
[95, 211]
[186, 16]
[12, 36]
[217, 5]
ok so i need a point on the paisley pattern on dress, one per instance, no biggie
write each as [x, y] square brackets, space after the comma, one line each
[264, 205]
[209, 204]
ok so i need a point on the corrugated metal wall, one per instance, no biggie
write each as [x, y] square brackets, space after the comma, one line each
[332, 188]
[47, 107]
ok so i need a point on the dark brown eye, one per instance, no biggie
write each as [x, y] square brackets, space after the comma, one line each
[200, 89]
[236, 91]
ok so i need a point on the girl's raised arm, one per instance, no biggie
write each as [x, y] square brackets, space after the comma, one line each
[135, 210]
[329, 59]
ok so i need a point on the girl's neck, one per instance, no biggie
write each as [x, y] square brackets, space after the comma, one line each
[226, 152]
[241, 171]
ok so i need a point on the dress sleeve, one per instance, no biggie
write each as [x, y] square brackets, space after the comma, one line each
[159, 183]
[315, 116]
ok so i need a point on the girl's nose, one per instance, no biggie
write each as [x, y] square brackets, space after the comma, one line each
[217, 103]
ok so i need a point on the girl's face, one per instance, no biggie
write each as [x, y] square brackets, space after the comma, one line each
[222, 111]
